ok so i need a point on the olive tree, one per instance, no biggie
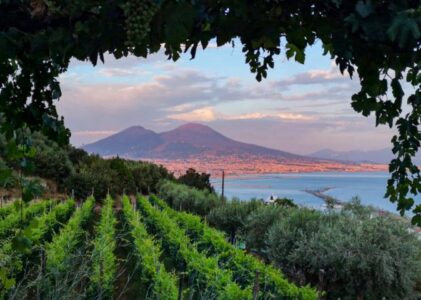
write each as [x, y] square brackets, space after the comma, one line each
[348, 257]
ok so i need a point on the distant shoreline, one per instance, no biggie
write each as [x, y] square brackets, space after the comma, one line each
[245, 175]
[239, 178]
[234, 167]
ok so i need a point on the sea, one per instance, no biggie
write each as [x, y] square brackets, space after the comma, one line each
[370, 187]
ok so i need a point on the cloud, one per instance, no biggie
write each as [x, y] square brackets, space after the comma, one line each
[186, 86]
[312, 77]
[205, 114]
[249, 116]
[180, 108]
[283, 116]
[129, 61]
[295, 117]
[120, 72]
[305, 137]
[208, 114]
[322, 94]
[94, 106]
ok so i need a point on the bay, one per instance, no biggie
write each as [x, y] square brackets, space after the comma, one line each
[370, 187]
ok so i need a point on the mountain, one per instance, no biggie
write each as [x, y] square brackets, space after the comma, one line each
[380, 156]
[187, 141]
[134, 141]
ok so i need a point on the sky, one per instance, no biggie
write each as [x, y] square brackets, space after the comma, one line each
[298, 108]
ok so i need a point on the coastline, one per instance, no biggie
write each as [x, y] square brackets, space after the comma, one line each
[235, 167]
[307, 188]
[251, 175]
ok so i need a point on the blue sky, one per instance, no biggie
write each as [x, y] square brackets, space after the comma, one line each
[298, 108]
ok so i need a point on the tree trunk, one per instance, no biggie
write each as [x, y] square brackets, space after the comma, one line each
[256, 286]
[232, 237]
[180, 287]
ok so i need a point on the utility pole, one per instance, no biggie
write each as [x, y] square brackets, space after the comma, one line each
[223, 185]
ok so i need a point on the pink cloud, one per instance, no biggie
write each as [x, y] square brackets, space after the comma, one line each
[205, 114]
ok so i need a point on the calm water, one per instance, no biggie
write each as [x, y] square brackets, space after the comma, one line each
[369, 186]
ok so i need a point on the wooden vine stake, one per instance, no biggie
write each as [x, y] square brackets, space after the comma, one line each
[180, 286]
[256, 285]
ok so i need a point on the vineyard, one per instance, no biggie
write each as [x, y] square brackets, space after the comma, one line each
[127, 249]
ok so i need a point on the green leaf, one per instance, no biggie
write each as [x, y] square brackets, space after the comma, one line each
[300, 56]
[416, 220]
[5, 280]
[397, 88]
[16, 205]
[31, 189]
[5, 176]
[21, 244]
[364, 9]
[55, 90]
[29, 229]
[404, 29]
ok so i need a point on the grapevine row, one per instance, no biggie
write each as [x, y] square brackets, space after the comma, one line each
[206, 279]
[158, 282]
[40, 228]
[6, 210]
[59, 250]
[272, 285]
[12, 221]
[104, 265]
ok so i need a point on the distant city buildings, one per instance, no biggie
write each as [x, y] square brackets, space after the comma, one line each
[235, 165]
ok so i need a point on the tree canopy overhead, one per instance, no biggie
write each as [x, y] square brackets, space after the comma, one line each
[377, 39]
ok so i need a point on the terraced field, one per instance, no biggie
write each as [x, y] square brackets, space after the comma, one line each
[127, 249]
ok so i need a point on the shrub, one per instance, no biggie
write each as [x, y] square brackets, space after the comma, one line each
[231, 216]
[197, 180]
[285, 202]
[181, 197]
[347, 256]
[257, 225]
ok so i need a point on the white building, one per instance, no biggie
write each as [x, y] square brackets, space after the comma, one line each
[271, 199]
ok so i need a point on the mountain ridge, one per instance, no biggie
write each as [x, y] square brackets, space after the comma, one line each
[191, 140]
[378, 156]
